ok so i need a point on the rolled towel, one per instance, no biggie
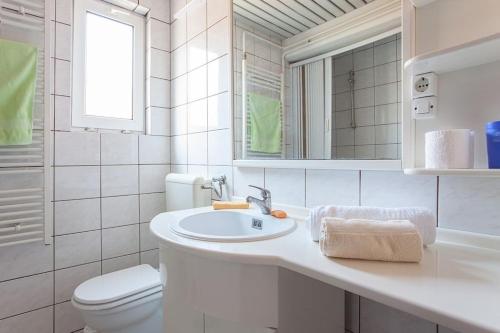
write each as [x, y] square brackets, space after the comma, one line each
[422, 218]
[391, 240]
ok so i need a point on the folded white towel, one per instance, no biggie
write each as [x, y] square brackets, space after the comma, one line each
[422, 218]
[370, 240]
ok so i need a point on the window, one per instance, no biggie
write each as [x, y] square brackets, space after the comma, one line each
[108, 67]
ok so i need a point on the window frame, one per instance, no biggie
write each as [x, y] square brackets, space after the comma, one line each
[79, 117]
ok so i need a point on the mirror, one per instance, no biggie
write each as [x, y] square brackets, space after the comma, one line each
[326, 106]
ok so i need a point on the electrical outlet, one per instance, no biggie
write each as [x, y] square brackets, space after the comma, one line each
[424, 85]
[425, 107]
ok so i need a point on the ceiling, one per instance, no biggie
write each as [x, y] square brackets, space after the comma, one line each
[288, 18]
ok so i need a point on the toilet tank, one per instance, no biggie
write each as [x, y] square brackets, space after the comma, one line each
[185, 191]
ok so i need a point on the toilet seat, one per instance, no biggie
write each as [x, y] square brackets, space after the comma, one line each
[136, 299]
[138, 284]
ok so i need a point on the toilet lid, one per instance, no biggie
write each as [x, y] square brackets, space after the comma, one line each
[117, 285]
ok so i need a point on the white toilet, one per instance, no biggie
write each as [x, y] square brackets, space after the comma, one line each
[130, 300]
[125, 301]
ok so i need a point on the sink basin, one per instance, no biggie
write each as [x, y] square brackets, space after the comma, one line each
[232, 226]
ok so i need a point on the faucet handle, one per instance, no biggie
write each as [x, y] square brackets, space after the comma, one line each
[265, 193]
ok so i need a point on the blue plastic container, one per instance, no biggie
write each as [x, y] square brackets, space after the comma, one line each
[493, 143]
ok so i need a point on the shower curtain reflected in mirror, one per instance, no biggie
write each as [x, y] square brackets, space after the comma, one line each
[311, 112]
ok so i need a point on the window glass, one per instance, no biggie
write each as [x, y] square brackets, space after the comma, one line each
[109, 67]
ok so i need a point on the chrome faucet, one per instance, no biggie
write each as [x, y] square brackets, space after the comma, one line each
[264, 203]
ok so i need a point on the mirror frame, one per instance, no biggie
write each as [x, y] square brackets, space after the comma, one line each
[371, 22]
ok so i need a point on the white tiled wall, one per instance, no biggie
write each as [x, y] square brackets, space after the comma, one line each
[201, 114]
[377, 85]
[107, 188]
[461, 203]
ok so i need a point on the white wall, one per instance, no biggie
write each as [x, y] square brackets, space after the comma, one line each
[107, 187]
[201, 140]
[445, 23]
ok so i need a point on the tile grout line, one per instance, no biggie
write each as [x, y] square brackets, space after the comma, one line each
[100, 197]
[51, 306]
[438, 179]
[53, 176]
[139, 190]
[206, 83]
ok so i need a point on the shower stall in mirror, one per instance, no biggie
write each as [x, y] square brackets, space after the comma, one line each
[326, 107]
[347, 106]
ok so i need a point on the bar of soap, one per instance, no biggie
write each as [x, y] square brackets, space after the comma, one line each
[280, 214]
[217, 205]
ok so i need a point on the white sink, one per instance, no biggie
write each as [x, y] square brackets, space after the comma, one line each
[232, 226]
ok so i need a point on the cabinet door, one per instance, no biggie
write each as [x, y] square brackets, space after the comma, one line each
[308, 305]
[378, 318]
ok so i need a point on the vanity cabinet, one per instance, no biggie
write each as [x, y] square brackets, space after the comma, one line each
[363, 315]
[375, 318]
[309, 305]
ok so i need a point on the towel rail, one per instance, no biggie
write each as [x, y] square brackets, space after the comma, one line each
[21, 171]
[27, 19]
[25, 6]
[18, 150]
[21, 198]
[27, 3]
[21, 205]
[25, 170]
[264, 85]
[13, 157]
[256, 79]
[22, 164]
[15, 13]
[21, 234]
[19, 25]
[18, 172]
[21, 213]
[20, 191]
[263, 72]
[20, 228]
[24, 241]
[21, 220]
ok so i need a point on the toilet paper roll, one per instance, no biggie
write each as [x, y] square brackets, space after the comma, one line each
[449, 149]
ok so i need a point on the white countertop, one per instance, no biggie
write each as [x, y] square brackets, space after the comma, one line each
[456, 285]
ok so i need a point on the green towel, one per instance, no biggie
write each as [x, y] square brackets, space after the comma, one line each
[17, 92]
[265, 124]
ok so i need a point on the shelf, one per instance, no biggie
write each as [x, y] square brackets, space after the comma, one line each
[478, 52]
[321, 164]
[453, 172]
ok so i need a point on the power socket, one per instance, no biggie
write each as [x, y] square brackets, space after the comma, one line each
[425, 107]
[424, 85]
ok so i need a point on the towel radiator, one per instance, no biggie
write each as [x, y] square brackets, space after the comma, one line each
[256, 78]
[25, 173]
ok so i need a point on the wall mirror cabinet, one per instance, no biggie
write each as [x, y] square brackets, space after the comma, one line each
[317, 84]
